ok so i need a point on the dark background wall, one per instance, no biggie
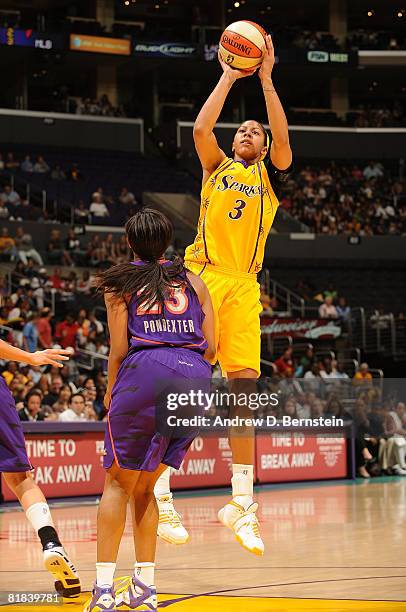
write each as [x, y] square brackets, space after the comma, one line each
[335, 143]
[54, 129]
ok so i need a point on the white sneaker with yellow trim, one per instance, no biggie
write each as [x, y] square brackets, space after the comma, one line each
[244, 524]
[170, 527]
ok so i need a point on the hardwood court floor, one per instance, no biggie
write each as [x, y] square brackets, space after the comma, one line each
[332, 547]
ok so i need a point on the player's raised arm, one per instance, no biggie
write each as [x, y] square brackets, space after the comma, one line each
[209, 152]
[281, 153]
[47, 357]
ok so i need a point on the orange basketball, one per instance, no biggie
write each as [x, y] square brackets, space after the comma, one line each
[242, 45]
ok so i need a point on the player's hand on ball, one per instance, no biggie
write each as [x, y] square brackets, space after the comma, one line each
[50, 357]
[269, 59]
[233, 73]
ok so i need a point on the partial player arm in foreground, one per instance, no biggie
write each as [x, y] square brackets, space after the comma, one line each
[207, 307]
[117, 319]
[209, 152]
[47, 357]
[281, 153]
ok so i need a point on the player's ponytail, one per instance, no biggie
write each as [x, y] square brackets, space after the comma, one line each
[149, 233]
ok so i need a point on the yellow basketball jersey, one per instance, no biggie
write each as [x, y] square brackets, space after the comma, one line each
[238, 206]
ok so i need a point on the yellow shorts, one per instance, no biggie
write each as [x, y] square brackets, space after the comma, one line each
[236, 306]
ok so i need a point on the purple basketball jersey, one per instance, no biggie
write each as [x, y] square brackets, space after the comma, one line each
[178, 324]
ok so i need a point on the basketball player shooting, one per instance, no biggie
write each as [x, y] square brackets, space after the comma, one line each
[238, 206]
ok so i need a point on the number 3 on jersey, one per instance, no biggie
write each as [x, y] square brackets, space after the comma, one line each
[236, 213]
[176, 304]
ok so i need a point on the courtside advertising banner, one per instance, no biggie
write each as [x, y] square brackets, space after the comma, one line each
[71, 465]
[294, 456]
[100, 44]
[166, 49]
[15, 37]
[300, 328]
[65, 465]
[207, 463]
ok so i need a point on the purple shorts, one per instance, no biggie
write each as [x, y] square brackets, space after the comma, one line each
[13, 455]
[132, 439]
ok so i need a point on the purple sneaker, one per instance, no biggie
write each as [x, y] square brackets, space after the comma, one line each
[102, 599]
[138, 597]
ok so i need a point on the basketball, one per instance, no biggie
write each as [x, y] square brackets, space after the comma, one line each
[242, 45]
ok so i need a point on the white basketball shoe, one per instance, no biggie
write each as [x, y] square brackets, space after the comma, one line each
[170, 527]
[245, 525]
[57, 562]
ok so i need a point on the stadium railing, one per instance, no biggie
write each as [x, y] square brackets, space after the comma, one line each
[87, 360]
[293, 301]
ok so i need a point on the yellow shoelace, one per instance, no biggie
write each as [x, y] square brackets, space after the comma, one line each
[171, 517]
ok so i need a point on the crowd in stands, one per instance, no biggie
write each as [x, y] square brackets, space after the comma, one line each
[315, 369]
[379, 423]
[52, 393]
[10, 164]
[334, 198]
[347, 199]
[378, 116]
[98, 252]
[103, 107]
[376, 39]
[41, 393]
[361, 116]
[313, 40]
[101, 209]
[309, 384]
[331, 306]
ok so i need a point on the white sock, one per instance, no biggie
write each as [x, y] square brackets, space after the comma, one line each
[162, 486]
[39, 515]
[105, 574]
[145, 573]
[243, 484]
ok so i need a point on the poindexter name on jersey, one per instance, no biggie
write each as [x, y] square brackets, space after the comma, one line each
[172, 326]
[228, 182]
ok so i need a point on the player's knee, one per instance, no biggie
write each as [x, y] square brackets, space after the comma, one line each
[123, 485]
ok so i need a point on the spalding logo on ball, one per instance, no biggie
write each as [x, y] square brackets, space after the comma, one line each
[242, 45]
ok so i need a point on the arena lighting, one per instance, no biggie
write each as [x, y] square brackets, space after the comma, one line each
[236, 4]
[370, 13]
[401, 13]
[127, 2]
